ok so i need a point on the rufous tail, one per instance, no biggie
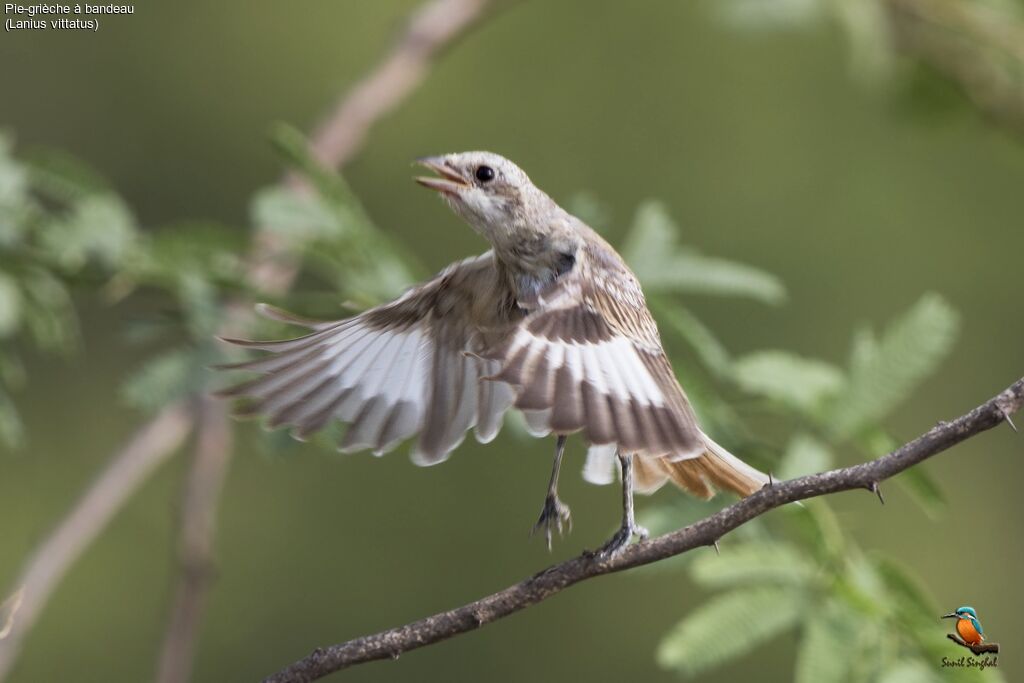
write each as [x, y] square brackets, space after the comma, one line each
[700, 475]
[716, 468]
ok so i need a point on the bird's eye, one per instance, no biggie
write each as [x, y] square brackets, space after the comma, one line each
[484, 174]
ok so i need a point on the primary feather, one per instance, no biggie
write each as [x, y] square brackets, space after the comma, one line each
[551, 322]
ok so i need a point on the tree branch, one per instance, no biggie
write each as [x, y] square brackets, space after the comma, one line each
[431, 29]
[198, 520]
[394, 642]
[436, 25]
[151, 445]
[972, 44]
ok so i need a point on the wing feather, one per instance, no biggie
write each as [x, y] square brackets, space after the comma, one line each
[394, 371]
[578, 363]
[580, 352]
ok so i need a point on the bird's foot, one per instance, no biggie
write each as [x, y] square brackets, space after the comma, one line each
[621, 539]
[554, 515]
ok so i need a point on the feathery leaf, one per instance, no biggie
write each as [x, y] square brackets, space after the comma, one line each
[884, 373]
[827, 646]
[652, 251]
[756, 562]
[801, 383]
[727, 627]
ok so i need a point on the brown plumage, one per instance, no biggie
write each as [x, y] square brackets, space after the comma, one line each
[550, 321]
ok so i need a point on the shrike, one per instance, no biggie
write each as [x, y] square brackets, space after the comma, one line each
[550, 321]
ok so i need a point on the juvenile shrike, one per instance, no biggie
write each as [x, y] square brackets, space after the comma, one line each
[549, 321]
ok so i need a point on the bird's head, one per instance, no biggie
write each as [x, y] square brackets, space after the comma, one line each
[964, 612]
[490, 192]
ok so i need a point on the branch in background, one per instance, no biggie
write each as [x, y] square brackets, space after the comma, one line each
[8, 609]
[131, 466]
[198, 524]
[431, 29]
[437, 24]
[394, 642]
[973, 45]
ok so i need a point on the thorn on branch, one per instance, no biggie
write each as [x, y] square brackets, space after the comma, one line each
[1006, 416]
[718, 551]
[559, 577]
[877, 490]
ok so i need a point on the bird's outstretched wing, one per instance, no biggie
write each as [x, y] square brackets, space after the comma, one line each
[588, 357]
[394, 371]
[582, 354]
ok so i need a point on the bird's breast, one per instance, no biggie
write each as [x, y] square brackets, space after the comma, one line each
[967, 631]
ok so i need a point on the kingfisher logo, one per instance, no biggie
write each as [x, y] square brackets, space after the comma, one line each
[968, 633]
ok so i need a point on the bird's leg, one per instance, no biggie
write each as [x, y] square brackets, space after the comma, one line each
[629, 526]
[555, 512]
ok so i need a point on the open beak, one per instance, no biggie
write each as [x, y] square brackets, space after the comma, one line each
[449, 182]
[951, 615]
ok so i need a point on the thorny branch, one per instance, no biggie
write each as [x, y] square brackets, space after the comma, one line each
[394, 642]
[436, 25]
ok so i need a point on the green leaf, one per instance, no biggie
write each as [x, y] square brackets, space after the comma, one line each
[750, 563]
[911, 672]
[916, 481]
[49, 312]
[64, 177]
[293, 146]
[13, 180]
[727, 627]
[99, 228]
[651, 250]
[12, 370]
[863, 587]
[208, 250]
[166, 378]
[711, 352]
[12, 431]
[801, 383]
[924, 489]
[769, 15]
[10, 305]
[804, 455]
[297, 217]
[817, 524]
[199, 302]
[907, 590]
[884, 373]
[589, 208]
[826, 649]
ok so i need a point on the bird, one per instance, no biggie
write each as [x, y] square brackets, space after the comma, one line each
[550, 322]
[967, 625]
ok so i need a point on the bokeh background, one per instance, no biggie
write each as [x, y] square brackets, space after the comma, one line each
[767, 146]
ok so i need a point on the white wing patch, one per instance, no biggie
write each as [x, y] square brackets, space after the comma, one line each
[381, 381]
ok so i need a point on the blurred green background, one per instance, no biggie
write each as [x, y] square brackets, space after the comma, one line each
[766, 149]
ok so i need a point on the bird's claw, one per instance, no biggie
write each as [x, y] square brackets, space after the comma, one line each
[621, 539]
[554, 515]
